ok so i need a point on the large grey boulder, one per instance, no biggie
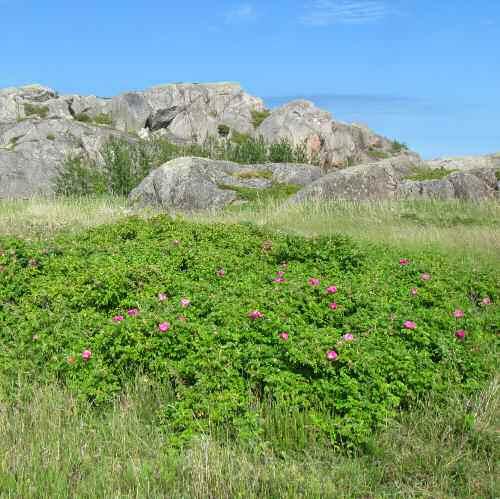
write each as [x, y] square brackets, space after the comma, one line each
[190, 183]
[15, 102]
[465, 163]
[369, 181]
[31, 151]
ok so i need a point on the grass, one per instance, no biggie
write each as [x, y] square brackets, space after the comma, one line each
[425, 224]
[254, 174]
[429, 174]
[51, 444]
[34, 110]
[259, 116]
[374, 154]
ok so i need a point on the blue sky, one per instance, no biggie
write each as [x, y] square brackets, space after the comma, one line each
[426, 72]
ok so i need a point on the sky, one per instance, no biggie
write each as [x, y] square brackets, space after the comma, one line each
[424, 72]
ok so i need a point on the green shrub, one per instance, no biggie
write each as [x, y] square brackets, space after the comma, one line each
[497, 174]
[372, 153]
[240, 138]
[58, 298]
[34, 110]
[77, 176]
[83, 117]
[259, 116]
[426, 173]
[103, 119]
[398, 147]
[223, 130]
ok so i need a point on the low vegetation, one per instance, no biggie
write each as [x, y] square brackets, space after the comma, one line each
[126, 163]
[259, 116]
[426, 173]
[233, 357]
[34, 110]
[99, 119]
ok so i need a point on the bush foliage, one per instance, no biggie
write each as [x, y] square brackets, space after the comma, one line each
[126, 163]
[86, 310]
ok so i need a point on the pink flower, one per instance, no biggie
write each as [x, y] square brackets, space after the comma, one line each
[185, 302]
[486, 300]
[313, 281]
[331, 290]
[280, 273]
[255, 314]
[133, 312]
[333, 306]
[221, 272]
[348, 337]
[164, 326]
[332, 355]
[118, 318]
[284, 336]
[86, 354]
[279, 279]
[460, 334]
[425, 276]
[162, 296]
[404, 261]
[413, 291]
[458, 313]
[409, 325]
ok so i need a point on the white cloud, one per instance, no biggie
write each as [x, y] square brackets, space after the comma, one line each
[327, 12]
[239, 13]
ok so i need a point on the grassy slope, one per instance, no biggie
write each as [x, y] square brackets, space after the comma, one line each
[431, 451]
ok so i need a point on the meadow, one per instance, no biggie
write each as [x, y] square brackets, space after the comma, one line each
[267, 350]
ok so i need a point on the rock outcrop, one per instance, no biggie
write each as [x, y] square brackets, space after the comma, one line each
[190, 184]
[31, 150]
[389, 179]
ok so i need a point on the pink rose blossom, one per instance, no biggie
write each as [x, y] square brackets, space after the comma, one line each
[185, 302]
[255, 314]
[486, 300]
[409, 325]
[280, 273]
[279, 279]
[162, 296]
[133, 312]
[313, 281]
[348, 337]
[284, 336]
[333, 306]
[86, 354]
[118, 318]
[458, 313]
[331, 290]
[332, 355]
[404, 261]
[460, 334]
[221, 272]
[164, 326]
[414, 291]
[425, 276]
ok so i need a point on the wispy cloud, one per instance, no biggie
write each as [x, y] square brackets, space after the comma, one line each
[240, 13]
[327, 12]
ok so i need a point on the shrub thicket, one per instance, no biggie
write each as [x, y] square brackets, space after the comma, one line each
[231, 318]
[125, 163]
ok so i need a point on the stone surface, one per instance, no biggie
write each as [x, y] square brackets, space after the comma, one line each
[369, 181]
[190, 184]
[31, 151]
[465, 163]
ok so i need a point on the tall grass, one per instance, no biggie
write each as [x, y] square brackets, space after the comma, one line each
[54, 446]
